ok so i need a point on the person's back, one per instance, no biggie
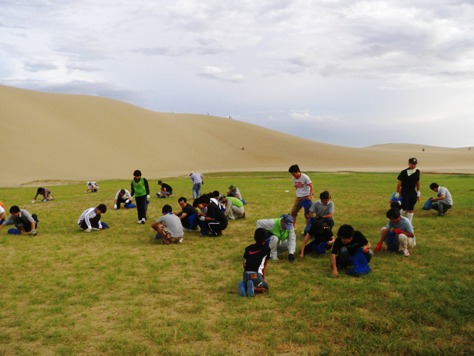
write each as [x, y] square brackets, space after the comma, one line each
[173, 224]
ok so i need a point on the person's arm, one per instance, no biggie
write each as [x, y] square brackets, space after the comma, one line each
[154, 226]
[418, 193]
[292, 242]
[132, 191]
[397, 190]
[303, 244]
[333, 265]
[310, 196]
[146, 187]
[264, 272]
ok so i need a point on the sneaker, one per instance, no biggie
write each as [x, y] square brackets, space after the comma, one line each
[143, 221]
[291, 257]
[250, 289]
[241, 289]
[180, 240]
[405, 253]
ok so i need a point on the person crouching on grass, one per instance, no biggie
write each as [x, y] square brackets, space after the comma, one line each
[90, 219]
[256, 257]
[351, 248]
[25, 223]
[168, 227]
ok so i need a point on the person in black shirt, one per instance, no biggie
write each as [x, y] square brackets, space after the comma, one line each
[256, 257]
[214, 221]
[188, 214]
[323, 238]
[408, 187]
[347, 244]
[165, 190]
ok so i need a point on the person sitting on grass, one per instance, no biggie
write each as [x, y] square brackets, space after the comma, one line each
[165, 190]
[323, 209]
[443, 200]
[45, 192]
[90, 219]
[187, 215]
[351, 249]
[168, 227]
[234, 208]
[281, 234]
[25, 223]
[398, 234]
[323, 238]
[255, 266]
[123, 196]
[213, 221]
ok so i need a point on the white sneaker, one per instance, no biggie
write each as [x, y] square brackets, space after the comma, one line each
[406, 253]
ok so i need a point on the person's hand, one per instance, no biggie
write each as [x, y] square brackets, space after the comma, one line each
[33, 232]
[115, 206]
[335, 273]
[202, 218]
[88, 229]
[398, 231]
[379, 246]
[127, 201]
[301, 253]
[148, 196]
[397, 195]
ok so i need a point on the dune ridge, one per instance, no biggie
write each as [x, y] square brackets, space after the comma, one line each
[51, 137]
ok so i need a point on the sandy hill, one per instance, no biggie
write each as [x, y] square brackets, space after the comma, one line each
[74, 137]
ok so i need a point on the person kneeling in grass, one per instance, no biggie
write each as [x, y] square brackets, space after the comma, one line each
[398, 234]
[323, 238]
[25, 223]
[351, 249]
[255, 266]
[90, 219]
[168, 227]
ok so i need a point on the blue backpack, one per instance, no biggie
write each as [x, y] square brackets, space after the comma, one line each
[360, 264]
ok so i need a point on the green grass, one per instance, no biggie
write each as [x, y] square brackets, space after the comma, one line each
[115, 292]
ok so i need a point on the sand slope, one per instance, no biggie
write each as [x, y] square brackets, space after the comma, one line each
[72, 137]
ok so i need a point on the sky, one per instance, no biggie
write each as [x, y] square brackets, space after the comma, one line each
[351, 73]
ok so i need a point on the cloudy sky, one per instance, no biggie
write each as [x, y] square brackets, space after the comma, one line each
[353, 73]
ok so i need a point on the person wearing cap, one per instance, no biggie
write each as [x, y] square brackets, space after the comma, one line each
[25, 223]
[408, 187]
[141, 192]
[281, 234]
[197, 180]
[235, 192]
[165, 190]
[443, 200]
[304, 191]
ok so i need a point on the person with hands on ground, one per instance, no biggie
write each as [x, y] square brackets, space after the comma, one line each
[281, 235]
[398, 234]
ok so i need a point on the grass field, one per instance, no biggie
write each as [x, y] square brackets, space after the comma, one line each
[116, 292]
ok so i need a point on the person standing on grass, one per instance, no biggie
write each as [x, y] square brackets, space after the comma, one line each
[304, 191]
[350, 249]
[443, 200]
[45, 192]
[25, 223]
[255, 266]
[197, 180]
[408, 187]
[90, 219]
[281, 235]
[168, 227]
[141, 192]
[398, 234]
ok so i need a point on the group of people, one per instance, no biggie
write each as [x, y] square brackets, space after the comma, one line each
[210, 213]
[350, 250]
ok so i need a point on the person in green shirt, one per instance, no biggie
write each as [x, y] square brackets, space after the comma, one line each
[141, 191]
[234, 208]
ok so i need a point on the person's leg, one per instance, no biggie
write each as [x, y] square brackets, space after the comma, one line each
[403, 244]
[141, 207]
[215, 228]
[296, 208]
[343, 258]
[238, 212]
[229, 213]
[273, 244]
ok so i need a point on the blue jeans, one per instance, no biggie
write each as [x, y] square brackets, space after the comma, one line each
[256, 278]
[196, 190]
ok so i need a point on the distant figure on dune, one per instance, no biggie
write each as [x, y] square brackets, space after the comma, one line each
[408, 187]
[197, 180]
[92, 187]
[165, 190]
[141, 192]
[45, 192]
[90, 219]
[25, 223]
[304, 191]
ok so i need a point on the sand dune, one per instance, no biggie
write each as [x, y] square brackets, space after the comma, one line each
[72, 137]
